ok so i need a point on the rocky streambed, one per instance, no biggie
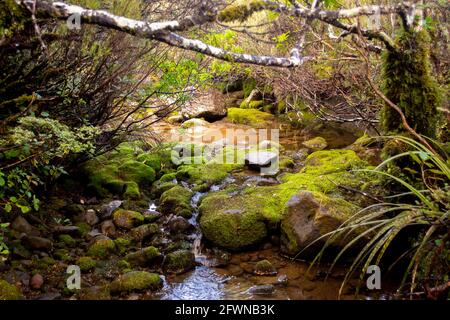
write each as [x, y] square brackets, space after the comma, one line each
[154, 229]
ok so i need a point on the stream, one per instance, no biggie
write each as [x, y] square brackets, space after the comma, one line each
[234, 278]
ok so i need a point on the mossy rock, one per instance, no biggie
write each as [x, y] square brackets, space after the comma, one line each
[127, 219]
[251, 117]
[102, 248]
[143, 257]
[9, 291]
[86, 263]
[206, 175]
[67, 240]
[179, 261]
[177, 200]
[84, 228]
[95, 293]
[232, 222]
[256, 104]
[316, 144]
[309, 217]
[143, 232]
[135, 281]
[122, 245]
[265, 268]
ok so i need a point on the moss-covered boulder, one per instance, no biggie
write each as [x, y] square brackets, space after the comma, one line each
[136, 281]
[143, 232]
[102, 248]
[316, 144]
[309, 216]
[127, 219]
[86, 263]
[232, 222]
[204, 176]
[251, 117]
[143, 257]
[122, 171]
[179, 261]
[177, 200]
[9, 291]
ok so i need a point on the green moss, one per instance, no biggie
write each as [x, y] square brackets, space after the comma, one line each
[248, 85]
[168, 177]
[102, 248]
[63, 254]
[67, 240]
[179, 261]
[122, 245]
[152, 160]
[144, 231]
[9, 291]
[177, 200]
[316, 144]
[143, 256]
[127, 218]
[136, 281]
[286, 162]
[123, 264]
[252, 117]
[409, 83]
[84, 228]
[86, 263]
[205, 175]
[265, 267]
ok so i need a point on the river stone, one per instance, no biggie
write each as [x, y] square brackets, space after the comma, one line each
[90, 217]
[260, 159]
[20, 224]
[106, 210]
[69, 230]
[310, 215]
[316, 144]
[143, 232]
[264, 268]
[210, 106]
[179, 261]
[179, 225]
[266, 289]
[127, 219]
[143, 257]
[37, 243]
[136, 281]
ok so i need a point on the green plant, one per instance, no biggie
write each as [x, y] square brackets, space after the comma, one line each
[381, 223]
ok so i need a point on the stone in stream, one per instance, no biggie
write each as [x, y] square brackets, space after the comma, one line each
[192, 123]
[266, 289]
[102, 248]
[179, 261]
[37, 243]
[107, 210]
[309, 216]
[90, 217]
[210, 105]
[264, 268]
[260, 159]
[143, 232]
[136, 281]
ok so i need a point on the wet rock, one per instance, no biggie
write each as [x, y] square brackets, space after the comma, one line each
[37, 243]
[143, 257]
[94, 234]
[68, 230]
[108, 228]
[179, 261]
[20, 224]
[309, 216]
[9, 291]
[143, 232]
[266, 289]
[316, 144]
[260, 159]
[136, 281]
[264, 268]
[107, 210]
[102, 248]
[179, 225]
[36, 281]
[282, 280]
[127, 219]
